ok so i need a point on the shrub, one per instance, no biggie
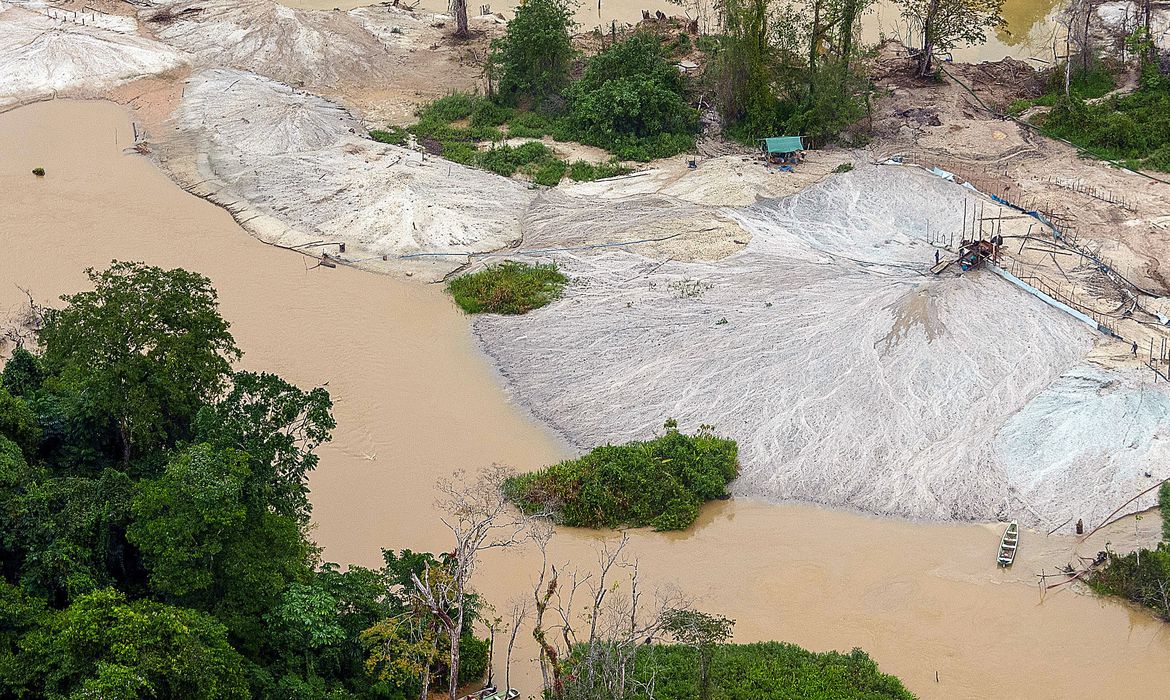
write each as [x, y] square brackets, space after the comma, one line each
[550, 173]
[39, 172]
[453, 107]
[18, 422]
[659, 483]
[508, 288]
[488, 113]
[394, 135]
[530, 125]
[584, 171]
[535, 53]
[766, 671]
[630, 102]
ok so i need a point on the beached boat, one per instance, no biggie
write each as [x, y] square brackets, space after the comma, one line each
[1008, 544]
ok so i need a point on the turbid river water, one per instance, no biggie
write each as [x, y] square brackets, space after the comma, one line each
[415, 400]
[1027, 33]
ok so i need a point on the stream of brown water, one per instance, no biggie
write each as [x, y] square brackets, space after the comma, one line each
[415, 400]
[1028, 30]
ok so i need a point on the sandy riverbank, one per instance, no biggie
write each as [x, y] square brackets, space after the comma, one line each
[414, 401]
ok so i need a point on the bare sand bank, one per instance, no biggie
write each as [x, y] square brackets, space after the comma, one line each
[414, 401]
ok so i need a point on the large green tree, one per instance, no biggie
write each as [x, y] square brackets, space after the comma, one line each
[185, 518]
[535, 54]
[105, 646]
[146, 347]
[941, 25]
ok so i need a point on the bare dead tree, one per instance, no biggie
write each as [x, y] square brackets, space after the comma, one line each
[615, 617]
[517, 614]
[479, 518]
[22, 326]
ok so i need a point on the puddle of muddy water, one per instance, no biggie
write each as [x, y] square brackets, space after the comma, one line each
[1028, 31]
[415, 400]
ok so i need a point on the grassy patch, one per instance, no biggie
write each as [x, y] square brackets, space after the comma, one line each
[583, 171]
[394, 135]
[765, 671]
[659, 483]
[507, 288]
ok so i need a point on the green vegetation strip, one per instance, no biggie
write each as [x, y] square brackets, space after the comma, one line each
[1142, 576]
[659, 483]
[765, 671]
[508, 288]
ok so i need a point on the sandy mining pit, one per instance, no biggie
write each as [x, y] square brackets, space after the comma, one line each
[414, 401]
[795, 316]
[849, 376]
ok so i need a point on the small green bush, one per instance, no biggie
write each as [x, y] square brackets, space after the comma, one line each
[584, 171]
[550, 173]
[508, 288]
[453, 107]
[39, 172]
[660, 483]
[530, 125]
[394, 135]
[843, 168]
[487, 113]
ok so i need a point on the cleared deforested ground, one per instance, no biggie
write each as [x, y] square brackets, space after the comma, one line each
[848, 374]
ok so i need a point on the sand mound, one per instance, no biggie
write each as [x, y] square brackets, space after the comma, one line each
[848, 376]
[296, 168]
[312, 48]
[1084, 445]
[42, 55]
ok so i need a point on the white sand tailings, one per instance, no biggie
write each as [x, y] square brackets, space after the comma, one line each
[299, 164]
[312, 48]
[41, 55]
[848, 376]
[1085, 444]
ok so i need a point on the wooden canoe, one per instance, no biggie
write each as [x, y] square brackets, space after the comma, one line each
[1008, 544]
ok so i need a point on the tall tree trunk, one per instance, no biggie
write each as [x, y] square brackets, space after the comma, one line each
[459, 9]
[813, 44]
[453, 673]
[926, 60]
[124, 438]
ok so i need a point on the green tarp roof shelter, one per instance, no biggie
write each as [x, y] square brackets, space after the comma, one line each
[784, 144]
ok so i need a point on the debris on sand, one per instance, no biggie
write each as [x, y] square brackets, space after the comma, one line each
[296, 168]
[311, 48]
[42, 55]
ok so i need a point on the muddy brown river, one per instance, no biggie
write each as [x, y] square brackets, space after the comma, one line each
[415, 399]
[1027, 33]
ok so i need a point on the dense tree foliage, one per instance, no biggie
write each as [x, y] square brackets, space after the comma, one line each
[1133, 128]
[766, 671]
[659, 483]
[153, 514]
[534, 55]
[630, 102]
[789, 69]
